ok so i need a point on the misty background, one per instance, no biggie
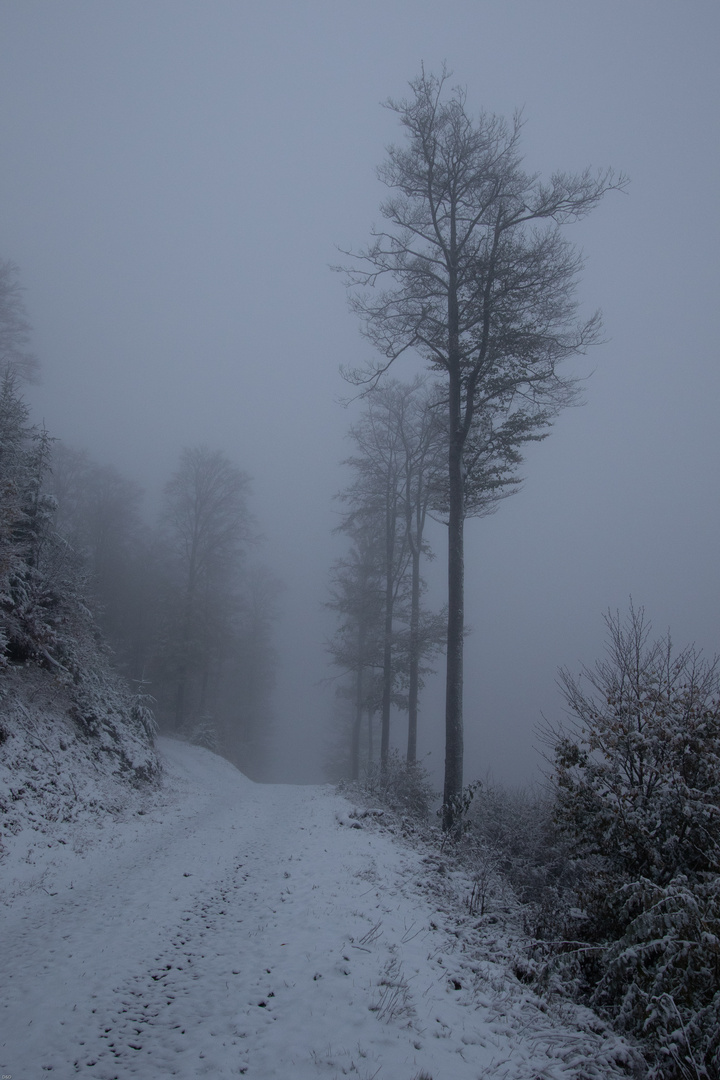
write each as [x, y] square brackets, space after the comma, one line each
[176, 178]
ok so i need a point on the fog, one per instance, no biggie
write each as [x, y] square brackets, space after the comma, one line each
[176, 179]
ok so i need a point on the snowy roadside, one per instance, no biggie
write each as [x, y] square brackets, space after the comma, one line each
[238, 929]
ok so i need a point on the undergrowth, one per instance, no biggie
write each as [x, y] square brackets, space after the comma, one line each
[402, 787]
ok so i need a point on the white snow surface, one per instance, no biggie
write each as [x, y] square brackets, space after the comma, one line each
[232, 929]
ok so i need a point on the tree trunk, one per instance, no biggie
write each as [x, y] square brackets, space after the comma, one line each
[414, 674]
[454, 684]
[371, 747]
[202, 704]
[184, 665]
[183, 672]
[180, 700]
[390, 525]
[357, 721]
[356, 728]
[456, 572]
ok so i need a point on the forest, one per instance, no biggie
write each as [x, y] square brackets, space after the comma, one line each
[120, 625]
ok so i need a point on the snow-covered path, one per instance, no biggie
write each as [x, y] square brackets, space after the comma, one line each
[240, 929]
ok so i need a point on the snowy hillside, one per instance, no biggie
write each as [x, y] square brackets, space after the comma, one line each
[222, 928]
[73, 756]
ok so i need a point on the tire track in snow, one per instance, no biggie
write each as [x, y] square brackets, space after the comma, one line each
[227, 954]
[254, 935]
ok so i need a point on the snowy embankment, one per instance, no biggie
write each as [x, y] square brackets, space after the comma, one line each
[227, 928]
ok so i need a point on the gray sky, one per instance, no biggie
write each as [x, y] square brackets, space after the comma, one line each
[175, 178]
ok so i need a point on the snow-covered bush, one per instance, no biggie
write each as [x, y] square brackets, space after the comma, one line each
[637, 776]
[142, 712]
[458, 807]
[661, 979]
[638, 772]
[402, 786]
[105, 711]
[519, 829]
[57, 783]
[202, 731]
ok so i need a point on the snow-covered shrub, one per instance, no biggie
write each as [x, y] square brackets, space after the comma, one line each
[402, 786]
[519, 830]
[52, 771]
[638, 774]
[661, 979]
[458, 811]
[637, 778]
[142, 712]
[203, 732]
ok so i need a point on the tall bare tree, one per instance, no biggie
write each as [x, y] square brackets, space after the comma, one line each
[210, 525]
[417, 413]
[471, 270]
[376, 496]
[398, 442]
[246, 690]
[356, 594]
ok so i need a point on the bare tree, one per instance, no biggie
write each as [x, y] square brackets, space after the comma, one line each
[415, 412]
[245, 693]
[210, 525]
[399, 440]
[481, 283]
[356, 594]
[376, 496]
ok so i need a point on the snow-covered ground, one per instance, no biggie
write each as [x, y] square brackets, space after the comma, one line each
[228, 929]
